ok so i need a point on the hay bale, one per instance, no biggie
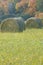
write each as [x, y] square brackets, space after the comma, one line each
[33, 23]
[41, 23]
[9, 25]
[0, 26]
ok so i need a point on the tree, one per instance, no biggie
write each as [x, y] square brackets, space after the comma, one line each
[39, 5]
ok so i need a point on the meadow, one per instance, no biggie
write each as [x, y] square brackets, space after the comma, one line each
[24, 48]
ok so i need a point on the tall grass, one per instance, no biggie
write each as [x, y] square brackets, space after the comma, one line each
[24, 48]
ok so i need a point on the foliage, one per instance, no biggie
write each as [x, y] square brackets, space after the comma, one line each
[39, 5]
[1, 12]
[24, 10]
[11, 8]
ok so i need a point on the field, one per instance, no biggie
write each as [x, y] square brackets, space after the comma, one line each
[24, 48]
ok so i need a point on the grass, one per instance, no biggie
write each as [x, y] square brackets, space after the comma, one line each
[24, 48]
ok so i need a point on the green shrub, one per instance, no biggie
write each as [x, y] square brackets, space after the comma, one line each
[9, 25]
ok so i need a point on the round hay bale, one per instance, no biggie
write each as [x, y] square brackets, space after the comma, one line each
[33, 23]
[0, 26]
[41, 23]
[9, 25]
